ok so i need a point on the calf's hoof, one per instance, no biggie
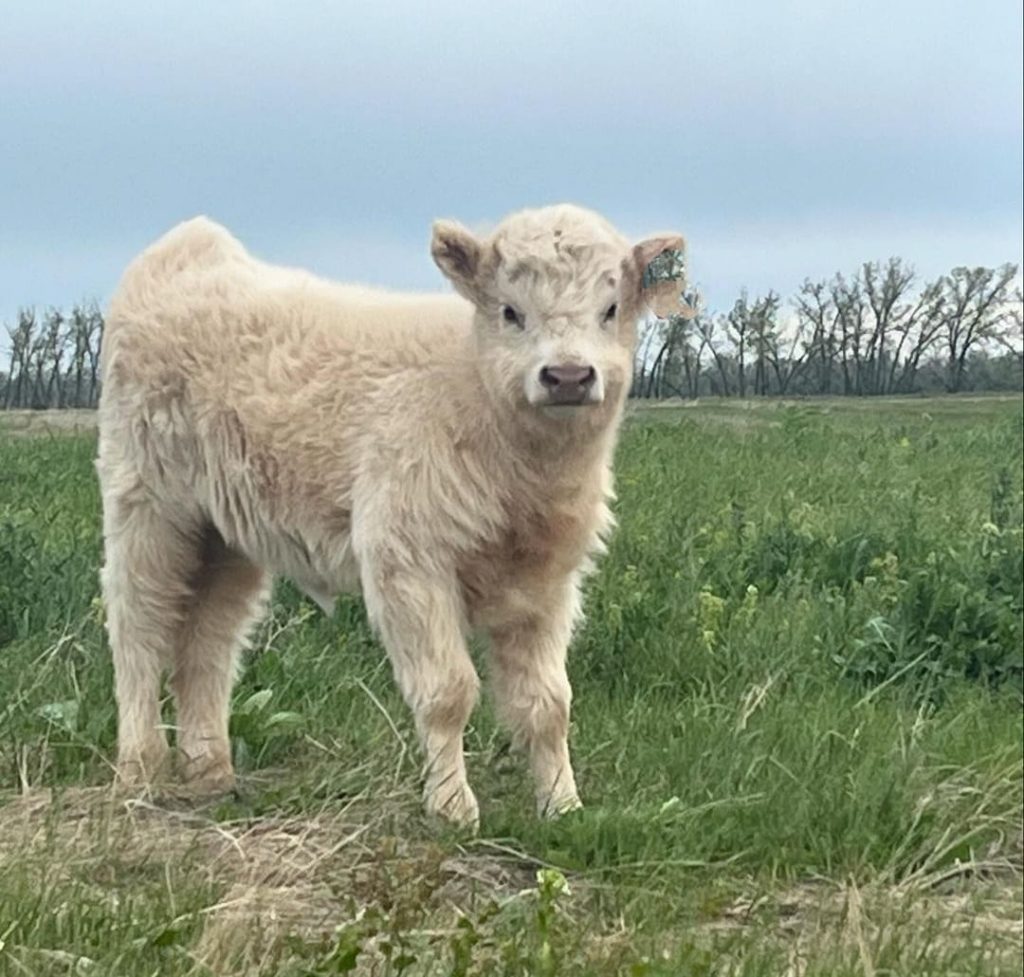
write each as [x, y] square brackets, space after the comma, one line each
[138, 771]
[455, 804]
[556, 807]
[206, 776]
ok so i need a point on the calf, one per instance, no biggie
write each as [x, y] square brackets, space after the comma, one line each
[448, 456]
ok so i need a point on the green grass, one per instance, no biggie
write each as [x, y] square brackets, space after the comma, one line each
[797, 727]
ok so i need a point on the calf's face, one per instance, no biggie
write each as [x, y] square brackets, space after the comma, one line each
[558, 292]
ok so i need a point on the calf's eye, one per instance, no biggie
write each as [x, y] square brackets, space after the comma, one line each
[511, 316]
[610, 312]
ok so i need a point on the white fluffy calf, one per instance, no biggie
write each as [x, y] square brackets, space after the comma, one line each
[449, 456]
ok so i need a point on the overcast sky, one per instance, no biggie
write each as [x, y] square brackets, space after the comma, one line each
[784, 139]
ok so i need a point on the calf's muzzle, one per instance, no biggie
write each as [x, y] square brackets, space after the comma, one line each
[568, 383]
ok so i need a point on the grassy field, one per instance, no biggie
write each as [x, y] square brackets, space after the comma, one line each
[798, 730]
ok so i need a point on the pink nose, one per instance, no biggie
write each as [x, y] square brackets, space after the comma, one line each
[568, 383]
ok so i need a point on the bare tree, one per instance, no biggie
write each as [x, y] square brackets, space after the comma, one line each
[788, 358]
[818, 319]
[739, 329]
[94, 343]
[1011, 336]
[709, 328]
[54, 346]
[80, 329]
[918, 328]
[648, 333]
[764, 338]
[22, 339]
[694, 343]
[674, 337]
[848, 298]
[976, 309]
[885, 287]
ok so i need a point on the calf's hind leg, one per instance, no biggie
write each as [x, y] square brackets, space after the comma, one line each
[228, 595]
[148, 562]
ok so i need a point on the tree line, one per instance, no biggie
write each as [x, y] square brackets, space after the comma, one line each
[879, 331]
[876, 332]
[53, 359]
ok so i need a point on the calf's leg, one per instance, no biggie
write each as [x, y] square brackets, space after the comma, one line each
[148, 562]
[228, 595]
[532, 696]
[420, 621]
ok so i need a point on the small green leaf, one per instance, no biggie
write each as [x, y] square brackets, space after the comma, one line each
[285, 721]
[257, 702]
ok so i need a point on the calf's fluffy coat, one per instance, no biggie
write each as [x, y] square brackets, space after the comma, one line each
[447, 455]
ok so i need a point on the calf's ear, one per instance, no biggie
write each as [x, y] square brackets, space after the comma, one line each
[458, 254]
[659, 274]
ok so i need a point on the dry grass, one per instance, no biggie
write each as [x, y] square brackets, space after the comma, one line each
[34, 422]
[276, 879]
[277, 883]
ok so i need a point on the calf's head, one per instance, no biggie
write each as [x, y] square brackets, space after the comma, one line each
[558, 292]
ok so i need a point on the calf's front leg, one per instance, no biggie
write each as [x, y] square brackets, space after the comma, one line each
[421, 623]
[532, 696]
